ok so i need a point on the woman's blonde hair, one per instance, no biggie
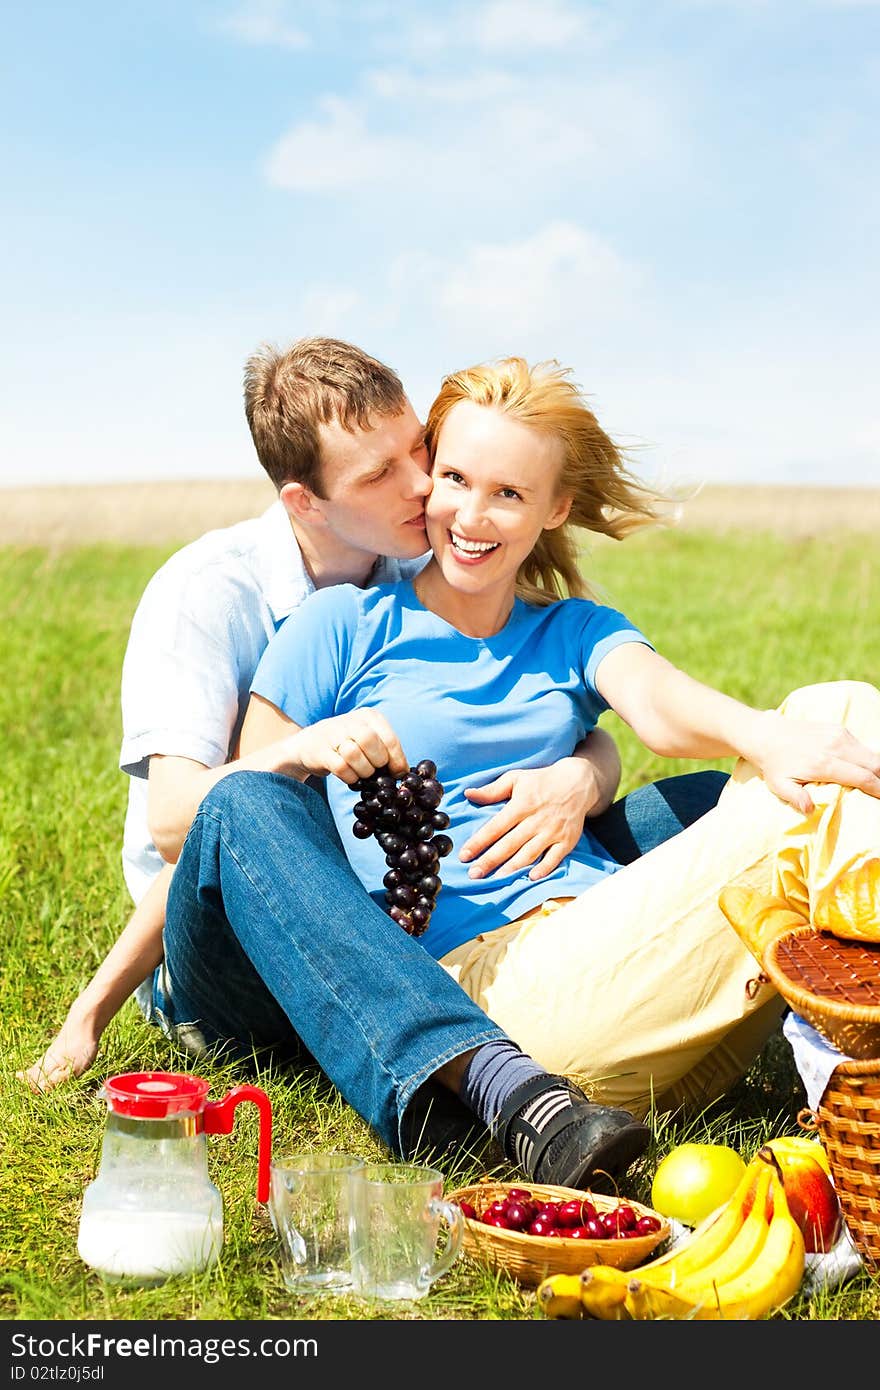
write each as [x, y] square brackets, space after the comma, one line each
[606, 496]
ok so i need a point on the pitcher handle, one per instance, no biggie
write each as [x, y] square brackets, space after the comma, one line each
[219, 1116]
[451, 1213]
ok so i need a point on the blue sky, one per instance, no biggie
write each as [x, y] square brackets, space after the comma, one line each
[679, 199]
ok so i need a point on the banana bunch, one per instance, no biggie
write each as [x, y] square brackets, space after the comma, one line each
[745, 1262]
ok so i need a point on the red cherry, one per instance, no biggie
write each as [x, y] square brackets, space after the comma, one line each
[558, 1232]
[519, 1214]
[497, 1208]
[498, 1220]
[548, 1209]
[580, 1233]
[570, 1214]
[518, 1194]
[647, 1225]
[541, 1226]
[611, 1224]
[626, 1217]
[596, 1231]
[469, 1211]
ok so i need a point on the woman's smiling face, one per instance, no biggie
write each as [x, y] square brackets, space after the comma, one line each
[494, 491]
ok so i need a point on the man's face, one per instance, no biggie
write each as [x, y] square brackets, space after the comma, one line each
[376, 482]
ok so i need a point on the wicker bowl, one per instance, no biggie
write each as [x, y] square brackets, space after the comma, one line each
[848, 1122]
[833, 984]
[529, 1259]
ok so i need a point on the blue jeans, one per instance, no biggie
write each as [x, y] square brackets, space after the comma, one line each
[651, 815]
[272, 942]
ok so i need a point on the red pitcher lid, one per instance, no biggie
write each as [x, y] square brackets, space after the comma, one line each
[153, 1095]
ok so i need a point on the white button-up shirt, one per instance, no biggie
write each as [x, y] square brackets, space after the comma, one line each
[196, 637]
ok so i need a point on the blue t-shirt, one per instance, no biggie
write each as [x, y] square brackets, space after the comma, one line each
[476, 706]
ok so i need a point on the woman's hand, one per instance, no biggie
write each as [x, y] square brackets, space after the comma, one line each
[348, 746]
[541, 822]
[792, 752]
[71, 1052]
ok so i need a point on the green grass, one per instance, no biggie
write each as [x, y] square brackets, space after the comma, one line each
[753, 614]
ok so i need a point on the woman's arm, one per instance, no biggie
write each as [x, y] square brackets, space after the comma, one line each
[679, 717]
[136, 951]
[348, 746]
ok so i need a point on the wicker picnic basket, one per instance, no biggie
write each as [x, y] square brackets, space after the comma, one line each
[833, 984]
[830, 978]
[848, 1123]
[529, 1259]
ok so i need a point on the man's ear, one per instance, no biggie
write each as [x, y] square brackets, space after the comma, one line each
[559, 513]
[299, 502]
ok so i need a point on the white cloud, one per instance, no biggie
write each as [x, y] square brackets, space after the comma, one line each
[527, 289]
[522, 25]
[337, 152]
[514, 28]
[486, 138]
[264, 22]
[479, 87]
[328, 309]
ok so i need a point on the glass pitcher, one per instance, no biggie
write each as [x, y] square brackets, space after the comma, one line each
[152, 1210]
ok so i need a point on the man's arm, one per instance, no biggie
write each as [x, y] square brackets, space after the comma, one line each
[136, 951]
[545, 809]
[138, 948]
[177, 786]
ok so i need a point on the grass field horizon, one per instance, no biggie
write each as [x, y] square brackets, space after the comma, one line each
[753, 612]
[173, 512]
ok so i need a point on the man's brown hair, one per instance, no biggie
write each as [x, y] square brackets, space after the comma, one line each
[288, 394]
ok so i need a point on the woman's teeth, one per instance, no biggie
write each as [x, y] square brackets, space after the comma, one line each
[472, 547]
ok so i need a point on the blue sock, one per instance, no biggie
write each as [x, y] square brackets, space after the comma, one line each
[495, 1071]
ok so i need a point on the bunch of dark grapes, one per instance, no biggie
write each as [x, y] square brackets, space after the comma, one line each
[405, 818]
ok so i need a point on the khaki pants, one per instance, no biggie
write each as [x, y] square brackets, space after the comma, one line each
[640, 990]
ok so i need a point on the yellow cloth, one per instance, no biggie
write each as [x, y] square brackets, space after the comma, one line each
[640, 990]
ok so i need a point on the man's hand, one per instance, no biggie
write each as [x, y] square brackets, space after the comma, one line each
[541, 822]
[70, 1053]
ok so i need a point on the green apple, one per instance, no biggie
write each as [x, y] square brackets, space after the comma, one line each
[694, 1179]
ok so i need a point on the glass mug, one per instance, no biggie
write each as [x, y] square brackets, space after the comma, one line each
[311, 1210]
[397, 1209]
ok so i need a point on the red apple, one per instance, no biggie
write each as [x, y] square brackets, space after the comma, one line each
[812, 1199]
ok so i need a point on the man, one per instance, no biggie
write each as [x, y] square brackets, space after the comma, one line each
[339, 439]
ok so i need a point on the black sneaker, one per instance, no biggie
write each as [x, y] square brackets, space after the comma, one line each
[583, 1146]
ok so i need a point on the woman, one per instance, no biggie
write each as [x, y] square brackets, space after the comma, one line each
[629, 981]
